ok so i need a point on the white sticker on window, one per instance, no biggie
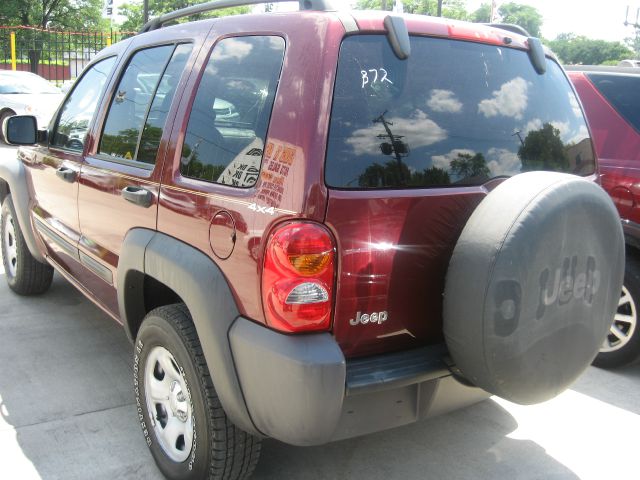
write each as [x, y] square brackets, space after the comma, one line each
[373, 76]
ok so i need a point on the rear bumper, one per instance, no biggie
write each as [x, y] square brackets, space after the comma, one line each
[300, 390]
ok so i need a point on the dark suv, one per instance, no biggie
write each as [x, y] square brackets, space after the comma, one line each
[611, 100]
[311, 227]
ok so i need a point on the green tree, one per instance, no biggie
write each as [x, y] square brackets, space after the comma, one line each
[61, 14]
[634, 43]
[374, 5]
[391, 173]
[134, 16]
[134, 13]
[579, 50]
[456, 9]
[482, 14]
[450, 8]
[431, 176]
[543, 149]
[397, 174]
[55, 14]
[523, 15]
[466, 166]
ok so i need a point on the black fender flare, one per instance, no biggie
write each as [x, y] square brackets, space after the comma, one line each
[203, 288]
[13, 173]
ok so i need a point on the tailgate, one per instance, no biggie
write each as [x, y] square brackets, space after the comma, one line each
[414, 146]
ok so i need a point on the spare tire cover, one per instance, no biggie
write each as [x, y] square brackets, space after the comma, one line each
[533, 285]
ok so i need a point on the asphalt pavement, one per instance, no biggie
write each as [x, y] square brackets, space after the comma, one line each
[67, 412]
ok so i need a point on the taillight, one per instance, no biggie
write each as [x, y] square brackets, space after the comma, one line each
[298, 278]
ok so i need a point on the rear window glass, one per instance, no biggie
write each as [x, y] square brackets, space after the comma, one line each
[622, 92]
[454, 113]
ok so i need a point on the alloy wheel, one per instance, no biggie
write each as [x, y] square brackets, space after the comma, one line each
[624, 324]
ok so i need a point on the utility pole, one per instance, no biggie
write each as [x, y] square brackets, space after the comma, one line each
[519, 134]
[145, 11]
[439, 8]
[627, 22]
[493, 11]
[396, 146]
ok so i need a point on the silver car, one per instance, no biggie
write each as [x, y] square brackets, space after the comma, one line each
[24, 93]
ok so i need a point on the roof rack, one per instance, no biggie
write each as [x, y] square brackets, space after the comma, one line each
[510, 27]
[158, 22]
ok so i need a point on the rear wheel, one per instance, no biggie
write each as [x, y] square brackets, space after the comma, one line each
[622, 344]
[185, 427]
[25, 275]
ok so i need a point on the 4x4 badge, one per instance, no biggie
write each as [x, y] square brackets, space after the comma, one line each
[376, 317]
[257, 208]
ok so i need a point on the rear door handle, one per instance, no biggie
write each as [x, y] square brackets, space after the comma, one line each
[67, 174]
[138, 196]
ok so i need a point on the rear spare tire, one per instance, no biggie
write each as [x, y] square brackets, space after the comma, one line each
[532, 285]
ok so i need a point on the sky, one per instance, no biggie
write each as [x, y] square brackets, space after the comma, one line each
[596, 19]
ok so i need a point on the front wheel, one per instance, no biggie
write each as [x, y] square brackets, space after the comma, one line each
[185, 427]
[25, 275]
[622, 344]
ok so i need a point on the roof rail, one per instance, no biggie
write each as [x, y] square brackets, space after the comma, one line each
[510, 27]
[158, 22]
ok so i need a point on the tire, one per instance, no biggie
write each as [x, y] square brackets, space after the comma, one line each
[25, 275]
[3, 116]
[188, 433]
[533, 278]
[622, 345]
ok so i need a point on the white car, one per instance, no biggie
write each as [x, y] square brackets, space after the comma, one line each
[24, 93]
[629, 63]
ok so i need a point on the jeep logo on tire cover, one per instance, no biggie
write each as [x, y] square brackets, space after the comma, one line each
[566, 284]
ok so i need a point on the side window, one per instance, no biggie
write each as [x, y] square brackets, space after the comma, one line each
[130, 112]
[152, 132]
[623, 92]
[230, 115]
[79, 107]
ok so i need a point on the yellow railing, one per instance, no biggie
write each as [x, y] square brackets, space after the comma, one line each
[14, 60]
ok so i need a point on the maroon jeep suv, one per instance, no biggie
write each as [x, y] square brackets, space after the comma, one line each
[319, 224]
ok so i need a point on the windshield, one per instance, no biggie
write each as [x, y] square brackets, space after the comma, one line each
[455, 113]
[25, 83]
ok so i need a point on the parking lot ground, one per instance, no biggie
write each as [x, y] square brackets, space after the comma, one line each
[67, 412]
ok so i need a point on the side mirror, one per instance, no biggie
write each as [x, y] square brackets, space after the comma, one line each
[22, 130]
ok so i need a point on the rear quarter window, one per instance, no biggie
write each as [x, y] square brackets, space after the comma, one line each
[227, 128]
[455, 113]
